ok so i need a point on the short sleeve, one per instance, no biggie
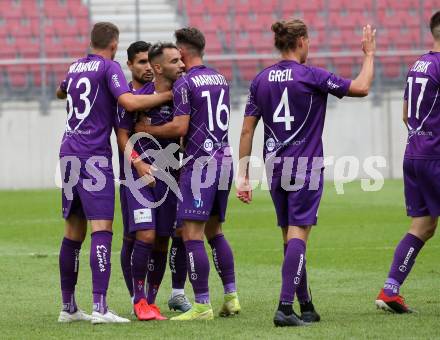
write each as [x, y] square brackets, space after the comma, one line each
[181, 92]
[124, 119]
[63, 85]
[328, 82]
[251, 104]
[116, 82]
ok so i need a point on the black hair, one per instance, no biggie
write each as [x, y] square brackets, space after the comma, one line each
[137, 47]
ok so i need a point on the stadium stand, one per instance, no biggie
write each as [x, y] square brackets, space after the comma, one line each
[65, 29]
[243, 27]
[231, 27]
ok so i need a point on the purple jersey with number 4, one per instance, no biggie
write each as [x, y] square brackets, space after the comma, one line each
[422, 94]
[292, 98]
[203, 94]
[93, 85]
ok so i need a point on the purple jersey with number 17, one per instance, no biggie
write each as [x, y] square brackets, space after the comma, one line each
[93, 85]
[422, 94]
[292, 98]
[203, 94]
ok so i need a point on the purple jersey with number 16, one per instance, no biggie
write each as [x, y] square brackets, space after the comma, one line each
[292, 98]
[203, 94]
[93, 85]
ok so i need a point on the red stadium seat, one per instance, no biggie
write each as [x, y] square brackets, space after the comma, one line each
[223, 67]
[248, 69]
[391, 67]
[17, 77]
[344, 66]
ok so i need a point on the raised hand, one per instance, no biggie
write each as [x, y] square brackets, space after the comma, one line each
[369, 40]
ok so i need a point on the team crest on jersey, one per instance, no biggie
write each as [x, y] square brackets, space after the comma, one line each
[165, 110]
[270, 144]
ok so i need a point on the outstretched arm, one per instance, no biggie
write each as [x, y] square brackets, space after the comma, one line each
[133, 103]
[178, 127]
[360, 86]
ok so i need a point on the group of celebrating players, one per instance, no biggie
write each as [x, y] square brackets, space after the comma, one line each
[176, 170]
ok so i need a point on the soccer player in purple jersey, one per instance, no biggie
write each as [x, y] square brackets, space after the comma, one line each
[93, 86]
[421, 169]
[151, 226]
[291, 98]
[201, 115]
[142, 74]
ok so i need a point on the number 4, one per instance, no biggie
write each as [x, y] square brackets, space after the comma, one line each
[287, 119]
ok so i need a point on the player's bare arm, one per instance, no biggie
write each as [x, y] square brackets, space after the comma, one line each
[405, 112]
[132, 103]
[360, 86]
[61, 94]
[244, 192]
[178, 127]
[142, 168]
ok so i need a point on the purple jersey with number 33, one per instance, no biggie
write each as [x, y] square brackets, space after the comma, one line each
[93, 85]
[292, 98]
[422, 94]
[203, 94]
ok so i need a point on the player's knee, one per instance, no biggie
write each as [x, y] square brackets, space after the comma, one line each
[430, 231]
[213, 228]
[146, 236]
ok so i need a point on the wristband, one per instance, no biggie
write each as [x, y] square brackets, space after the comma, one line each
[134, 156]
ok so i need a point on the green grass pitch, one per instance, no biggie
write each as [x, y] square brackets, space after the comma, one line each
[348, 257]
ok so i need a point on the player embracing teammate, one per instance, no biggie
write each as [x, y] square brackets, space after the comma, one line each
[94, 85]
[201, 116]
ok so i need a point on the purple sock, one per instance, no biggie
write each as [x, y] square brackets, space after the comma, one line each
[404, 258]
[177, 263]
[302, 291]
[139, 267]
[224, 262]
[100, 255]
[292, 269]
[69, 265]
[198, 269]
[156, 271]
[126, 250]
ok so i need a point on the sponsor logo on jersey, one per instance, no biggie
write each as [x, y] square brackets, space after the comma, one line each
[142, 215]
[115, 80]
[208, 145]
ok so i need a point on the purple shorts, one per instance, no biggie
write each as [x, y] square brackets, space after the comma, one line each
[88, 190]
[422, 187]
[210, 201]
[141, 216]
[299, 206]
